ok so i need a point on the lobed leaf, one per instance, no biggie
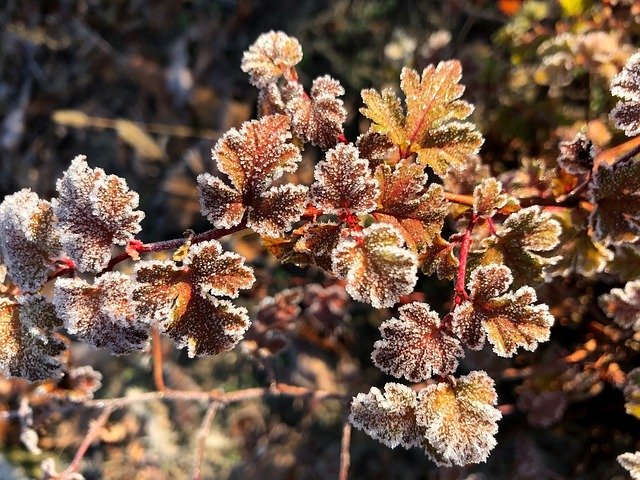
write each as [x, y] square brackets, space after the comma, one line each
[375, 147]
[577, 156]
[385, 111]
[509, 320]
[253, 157]
[343, 182]
[390, 417]
[615, 192]
[626, 114]
[487, 198]
[269, 57]
[459, 420]
[623, 305]
[376, 267]
[416, 346]
[29, 240]
[102, 314]
[182, 300]
[318, 241]
[94, 211]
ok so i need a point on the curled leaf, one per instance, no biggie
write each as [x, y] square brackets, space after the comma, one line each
[270, 56]
[623, 305]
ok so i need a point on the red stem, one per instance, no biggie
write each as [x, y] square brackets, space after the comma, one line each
[465, 246]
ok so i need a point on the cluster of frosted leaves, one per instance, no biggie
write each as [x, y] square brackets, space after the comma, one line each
[28, 239]
[269, 57]
[488, 198]
[632, 393]
[376, 267]
[183, 301]
[623, 305]
[415, 346]
[94, 211]
[520, 243]
[343, 182]
[101, 314]
[431, 125]
[615, 192]
[577, 251]
[631, 462]
[376, 148]
[28, 346]
[318, 117]
[626, 85]
[253, 157]
[405, 201]
[508, 320]
[577, 155]
[455, 424]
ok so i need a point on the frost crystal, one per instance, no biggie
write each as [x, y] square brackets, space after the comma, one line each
[270, 56]
[509, 320]
[376, 267]
[375, 147]
[94, 211]
[253, 157]
[344, 182]
[317, 118]
[415, 346]
[388, 418]
[182, 299]
[631, 462]
[28, 239]
[626, 114]
[318, 241]
[101, 314]
[459, 421]
[623, 305]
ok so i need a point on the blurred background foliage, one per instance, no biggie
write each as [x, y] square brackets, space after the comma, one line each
[145, 87]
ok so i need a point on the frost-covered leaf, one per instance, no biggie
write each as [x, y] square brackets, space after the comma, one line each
[29, 240]
[415, 346]
[253, 157]
[94, 211]
[631, 462]
[509, 320]
[431, 124]
[375, 147]
[623, 305]
[182, 300]
[625, 263]
[577, 155]
[440, 259]
[318, 117]
[632, 393]
[343, 181]
[615, 192]
[27, 351]
[418, 211]
[318, 241]
[101, 314]
[270, 56]
[487, 198]
[378, 270]
[459, 420]
[390, 417]
[520, 241]
[626, 85]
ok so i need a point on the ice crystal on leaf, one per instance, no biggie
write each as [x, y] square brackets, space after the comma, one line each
[577, 155]
[459, 420]
[623, 305]
[253, 157]
[615, 192]
[406, 202]
[27, 347]
[431, 125]
[182, 300]
[318, 117]
[415, 346]
[521, 240]
[378, 270]
[272, 55]
[101, 314]
[509, 320]
[631, 462]
[390, 417]
[318, 241]
[626, 85]
[343, 182]
[94, 211]
[28, 239]
[487, 198]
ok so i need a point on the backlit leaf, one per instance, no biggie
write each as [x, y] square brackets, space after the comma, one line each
[270, 56]
[626, 114]
[415, 346]
[623, 305]
[487, 198]
[376, 148]
[577, 155]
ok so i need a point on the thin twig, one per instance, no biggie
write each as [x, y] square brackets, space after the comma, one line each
[96, 426]
[156, 348]
[202, 437]
[345, 457]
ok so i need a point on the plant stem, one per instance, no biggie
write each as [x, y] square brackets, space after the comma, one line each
[345, 457]
[202, 438]
[465, 246]
[156, 348]
[92, 434]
